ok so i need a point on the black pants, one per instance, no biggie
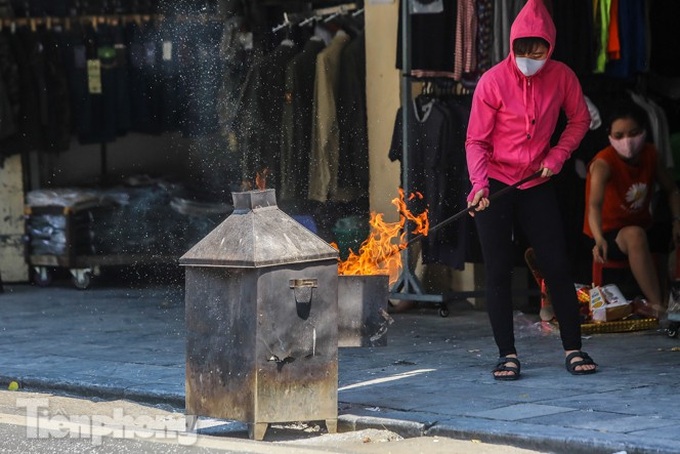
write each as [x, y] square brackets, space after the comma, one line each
[537, 213]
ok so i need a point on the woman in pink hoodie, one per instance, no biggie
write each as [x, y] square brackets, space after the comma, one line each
[515, 109]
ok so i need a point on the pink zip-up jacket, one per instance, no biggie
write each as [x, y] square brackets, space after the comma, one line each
[513, 116]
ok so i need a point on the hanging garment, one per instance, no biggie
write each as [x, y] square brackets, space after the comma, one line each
[613, 50]
[73, 47]
[353, 168]
[323, 166]
[433, 40]
[58, 127]
[146, 88]
[95, 110]
[451, 245]
[658, 125]
[665, 53]
[575, 41]
[258, 118]
[465, 59]
[633, 57]
[296, 140]
[121, 74]
[33, 105]
[42, 8]
[7, 126]
[602, 21]
[6, 9]
[436, 170]
[504, 14]
[10, 97]
[485, 34]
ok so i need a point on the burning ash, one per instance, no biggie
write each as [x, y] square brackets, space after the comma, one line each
[261, 179]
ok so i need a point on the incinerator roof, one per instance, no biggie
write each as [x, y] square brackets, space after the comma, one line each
[258, 234]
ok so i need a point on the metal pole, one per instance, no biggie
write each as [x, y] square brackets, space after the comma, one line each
[408, 285]
[406, 107]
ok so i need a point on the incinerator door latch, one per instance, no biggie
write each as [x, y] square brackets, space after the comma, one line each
[302, 290]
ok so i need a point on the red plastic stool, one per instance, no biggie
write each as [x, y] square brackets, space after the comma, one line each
[610, 264]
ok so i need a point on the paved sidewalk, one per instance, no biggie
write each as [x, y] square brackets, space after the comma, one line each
[433, 377]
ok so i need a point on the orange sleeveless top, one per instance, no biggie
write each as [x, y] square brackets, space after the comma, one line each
[628, 193]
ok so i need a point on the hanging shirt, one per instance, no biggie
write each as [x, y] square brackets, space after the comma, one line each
[433, 39]
[659, 127]
[575, 35]
[466, 33]
[435, 171]
[353, 168]
[664, 56]
[258, 118]
[7, 127]
[296, 140]
[323, 166]
[632, 55]
[602, 21]
[505, 11]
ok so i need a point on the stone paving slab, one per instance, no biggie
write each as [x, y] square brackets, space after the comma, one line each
[432, 378]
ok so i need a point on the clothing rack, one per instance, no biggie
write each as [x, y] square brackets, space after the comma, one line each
[49, 22]
[330, 13]
[408, 286]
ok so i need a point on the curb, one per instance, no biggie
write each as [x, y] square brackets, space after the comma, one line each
[99, 391]
[520, 435]
[407, 429]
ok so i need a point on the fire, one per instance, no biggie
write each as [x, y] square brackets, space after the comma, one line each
[380, 252]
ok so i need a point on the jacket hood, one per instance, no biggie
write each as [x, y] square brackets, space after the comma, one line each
[533, 20]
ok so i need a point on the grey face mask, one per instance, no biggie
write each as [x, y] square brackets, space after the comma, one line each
[529, 66]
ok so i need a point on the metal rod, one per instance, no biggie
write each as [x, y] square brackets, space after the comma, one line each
[336, 9]
[407, 281]
[317, 14]
[464, 211]
[308, 20]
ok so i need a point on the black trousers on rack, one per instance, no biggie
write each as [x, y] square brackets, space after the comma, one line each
[536, 211]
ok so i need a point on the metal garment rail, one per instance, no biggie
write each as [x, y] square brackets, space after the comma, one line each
[408, 286]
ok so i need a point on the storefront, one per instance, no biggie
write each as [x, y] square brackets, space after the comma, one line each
[199, 132]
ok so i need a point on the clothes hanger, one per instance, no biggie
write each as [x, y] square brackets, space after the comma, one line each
[286, 25]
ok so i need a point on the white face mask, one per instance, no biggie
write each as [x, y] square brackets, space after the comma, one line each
[529, 66]
[628, 147]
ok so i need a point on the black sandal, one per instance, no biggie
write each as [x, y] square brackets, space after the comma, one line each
[586, 360]
[502, 367]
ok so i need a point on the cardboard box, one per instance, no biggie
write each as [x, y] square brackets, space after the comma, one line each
[607, 304]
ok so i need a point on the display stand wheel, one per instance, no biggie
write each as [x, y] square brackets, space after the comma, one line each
[672, 330]
[443, 311]
[42, 277]
[81, 278]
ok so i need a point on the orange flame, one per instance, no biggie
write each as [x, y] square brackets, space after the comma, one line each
[261, 179]
[380, 251]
